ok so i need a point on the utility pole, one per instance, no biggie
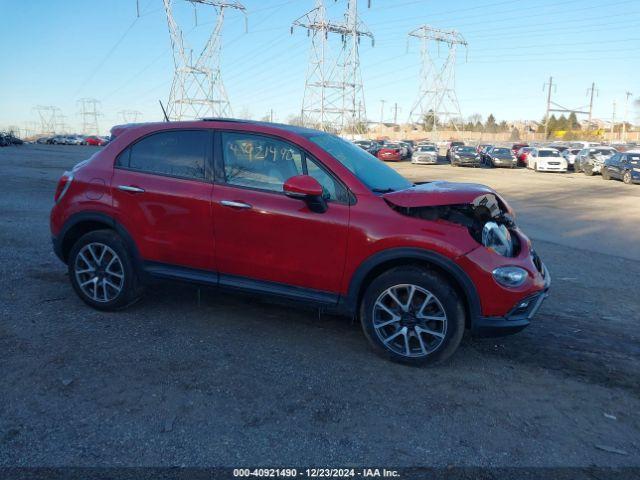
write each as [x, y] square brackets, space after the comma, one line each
[613, 118]
[197, 90]
[271, 115]
[381, 111]
[592, 90]
[626, 113]
[546, 115]
[333, 94]
[437, 92]
[395, 113]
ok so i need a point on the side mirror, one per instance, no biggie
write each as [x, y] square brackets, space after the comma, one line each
[308, 189]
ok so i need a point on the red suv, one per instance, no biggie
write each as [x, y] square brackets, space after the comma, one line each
[297, 214]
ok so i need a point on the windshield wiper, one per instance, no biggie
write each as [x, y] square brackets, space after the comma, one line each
[382, 190]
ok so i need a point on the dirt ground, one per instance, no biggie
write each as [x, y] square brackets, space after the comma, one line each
[219, 379]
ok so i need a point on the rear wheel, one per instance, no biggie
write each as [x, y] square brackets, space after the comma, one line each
[412, 315]
[605, 174]
[626, 178]
[101, 271]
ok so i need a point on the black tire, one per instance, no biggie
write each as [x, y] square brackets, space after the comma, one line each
[626, 177]
[446, 296]
[131, 289]
[605, 174]
[588, 170]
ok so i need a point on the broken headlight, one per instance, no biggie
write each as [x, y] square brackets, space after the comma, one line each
[497, 238]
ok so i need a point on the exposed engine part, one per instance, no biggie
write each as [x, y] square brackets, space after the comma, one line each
[485, 208]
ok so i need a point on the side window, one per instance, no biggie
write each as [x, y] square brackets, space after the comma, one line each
[332, 190]
[259, 162]
[175, 153]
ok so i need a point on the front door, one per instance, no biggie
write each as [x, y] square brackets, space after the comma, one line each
[162, 196]
[263, 235]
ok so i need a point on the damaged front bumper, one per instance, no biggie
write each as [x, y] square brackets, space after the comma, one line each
[518, 318]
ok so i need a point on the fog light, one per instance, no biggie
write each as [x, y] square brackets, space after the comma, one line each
[510, 276]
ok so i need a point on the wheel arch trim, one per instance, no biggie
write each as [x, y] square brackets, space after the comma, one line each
[98, 217]
[392, 256]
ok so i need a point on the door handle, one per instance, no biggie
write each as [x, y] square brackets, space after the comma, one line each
[232, 204]
[129, 188]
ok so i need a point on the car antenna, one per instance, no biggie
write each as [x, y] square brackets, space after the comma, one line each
[166, 119]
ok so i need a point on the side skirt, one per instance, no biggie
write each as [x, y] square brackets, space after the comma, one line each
[325, 300]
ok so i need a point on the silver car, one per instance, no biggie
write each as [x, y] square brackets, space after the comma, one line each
[426, 154]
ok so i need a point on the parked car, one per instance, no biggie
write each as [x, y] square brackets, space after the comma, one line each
[500, 157]
[521, 156]
[570, 156]
[301, 215]
[466, 156]
[517, 146]
[95, 141]
[623, 166]
[546, 160]
[483, 147]
[590, 160]
[368, 145]
[8, 138]
[58, 140]
[43, 140]
[390, 152]
[405, 149]
[451, 147]
[427, 154]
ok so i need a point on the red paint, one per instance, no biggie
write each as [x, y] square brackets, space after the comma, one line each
[389, 154]
[302, 185]
[279, 239]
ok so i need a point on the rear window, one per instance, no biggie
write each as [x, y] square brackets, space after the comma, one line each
[549, 153]
[501, 151]
[180, 153]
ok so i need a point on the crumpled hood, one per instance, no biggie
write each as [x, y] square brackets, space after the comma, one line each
[437, 193]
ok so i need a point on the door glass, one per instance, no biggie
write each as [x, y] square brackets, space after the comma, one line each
[259, 162]
[331, 189]
[175, 153]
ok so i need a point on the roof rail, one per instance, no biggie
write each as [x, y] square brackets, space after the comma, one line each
[224, 119]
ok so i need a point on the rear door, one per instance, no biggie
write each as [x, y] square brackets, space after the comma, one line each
[264, 236]
[162, 187]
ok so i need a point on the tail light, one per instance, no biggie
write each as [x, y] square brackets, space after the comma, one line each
[63, 186]
[397, 150]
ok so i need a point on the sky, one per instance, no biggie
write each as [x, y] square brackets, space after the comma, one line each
[58, 52]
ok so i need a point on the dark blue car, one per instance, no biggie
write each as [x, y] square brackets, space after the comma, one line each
[623, 166]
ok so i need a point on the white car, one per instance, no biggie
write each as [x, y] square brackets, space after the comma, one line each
[425, 154]
[546, 160]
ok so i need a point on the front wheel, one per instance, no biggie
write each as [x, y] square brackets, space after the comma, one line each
[626, 178]
[101, 271]
[605, 174]
[588, 170]
[412, 315]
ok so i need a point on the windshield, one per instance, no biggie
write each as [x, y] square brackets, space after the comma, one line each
[372, 172]
[604, 151]
[467, 150]
[501, 151]
[428, 148]
[549, 153]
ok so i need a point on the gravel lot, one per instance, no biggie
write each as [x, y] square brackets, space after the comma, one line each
[221, 379]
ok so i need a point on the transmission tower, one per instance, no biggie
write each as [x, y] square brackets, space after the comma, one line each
[89, 115]
[50, 118]
[437, 101]
[197, 90]
[333, 95]
[130, 116]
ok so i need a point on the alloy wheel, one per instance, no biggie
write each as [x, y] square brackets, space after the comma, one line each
[99, 272]
[626, 178]
[409, 320]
